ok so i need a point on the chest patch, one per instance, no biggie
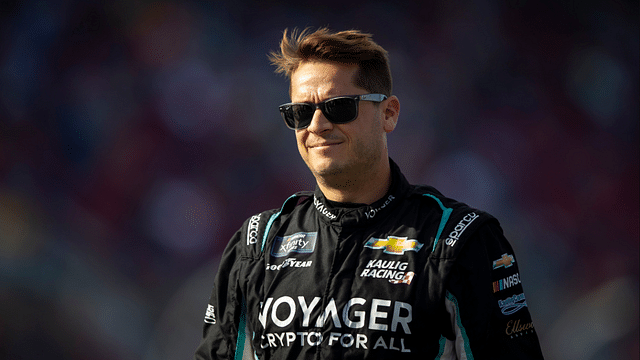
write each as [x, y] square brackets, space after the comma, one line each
[394, 245]
[301, 243]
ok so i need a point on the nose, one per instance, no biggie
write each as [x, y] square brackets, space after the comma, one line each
[319, 123]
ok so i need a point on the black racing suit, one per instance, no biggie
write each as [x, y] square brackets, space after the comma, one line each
[414, 276]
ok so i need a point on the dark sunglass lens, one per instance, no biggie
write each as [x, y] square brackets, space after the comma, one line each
[341, 110]
[301, 115]
[287, 115]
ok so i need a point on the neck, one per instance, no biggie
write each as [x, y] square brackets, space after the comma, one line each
[365, 188]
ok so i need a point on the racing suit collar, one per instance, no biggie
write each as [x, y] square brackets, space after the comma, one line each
[349, 214]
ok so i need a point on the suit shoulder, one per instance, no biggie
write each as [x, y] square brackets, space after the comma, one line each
[458, 221]
[429, 193]
[255, 229]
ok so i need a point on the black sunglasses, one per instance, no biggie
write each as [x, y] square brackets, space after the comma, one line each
[338, 110]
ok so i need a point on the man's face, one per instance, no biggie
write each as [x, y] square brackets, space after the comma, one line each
[337, 150]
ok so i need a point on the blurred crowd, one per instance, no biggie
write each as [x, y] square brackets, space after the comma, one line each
[136, 137]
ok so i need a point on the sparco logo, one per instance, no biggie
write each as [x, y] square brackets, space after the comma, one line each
[460, 228]
[372, 212]
[322, 209]
[252, 229]
[210, 315]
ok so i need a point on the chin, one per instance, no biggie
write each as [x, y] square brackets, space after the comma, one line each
[326, 168]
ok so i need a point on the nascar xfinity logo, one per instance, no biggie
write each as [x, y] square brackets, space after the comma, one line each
[302, 242]
[394, 245]
[460, 228]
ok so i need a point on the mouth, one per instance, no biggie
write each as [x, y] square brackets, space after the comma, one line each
[324, 145]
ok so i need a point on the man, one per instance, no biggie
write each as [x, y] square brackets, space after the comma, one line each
[367, 266]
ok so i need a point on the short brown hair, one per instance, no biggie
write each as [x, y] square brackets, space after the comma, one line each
[350, 47]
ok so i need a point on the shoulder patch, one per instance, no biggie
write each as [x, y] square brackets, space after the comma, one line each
[458, 222]
[253, 229]
[462, 225]
[252, 232]
[460, 228]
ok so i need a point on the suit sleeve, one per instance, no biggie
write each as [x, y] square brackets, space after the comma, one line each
[486, 302]
[225, 313]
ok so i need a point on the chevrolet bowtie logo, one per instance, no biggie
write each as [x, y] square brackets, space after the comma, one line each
[394, 245]
[505, 261]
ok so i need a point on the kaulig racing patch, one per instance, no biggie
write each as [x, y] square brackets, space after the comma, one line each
[302, 243]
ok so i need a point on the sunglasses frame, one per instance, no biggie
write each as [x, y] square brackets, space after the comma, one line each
[321, 105]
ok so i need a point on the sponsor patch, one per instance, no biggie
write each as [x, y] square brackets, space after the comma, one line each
[301, 243]
[506, 283]
[454, 236]
[513, 304]
[408, 277]
[252, 229]
[322, 209]
[210, 315]
[372, 212]
[394, 271]
[505, 261]
[516, 328]
[291, 263]
[294, 320]
[394, 245]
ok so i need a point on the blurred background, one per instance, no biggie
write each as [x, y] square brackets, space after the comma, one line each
[136, 137]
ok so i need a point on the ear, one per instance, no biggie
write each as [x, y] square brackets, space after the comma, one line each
[391, 112]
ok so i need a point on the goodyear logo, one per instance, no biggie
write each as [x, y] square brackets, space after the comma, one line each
[301, 243]
[394, 245]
